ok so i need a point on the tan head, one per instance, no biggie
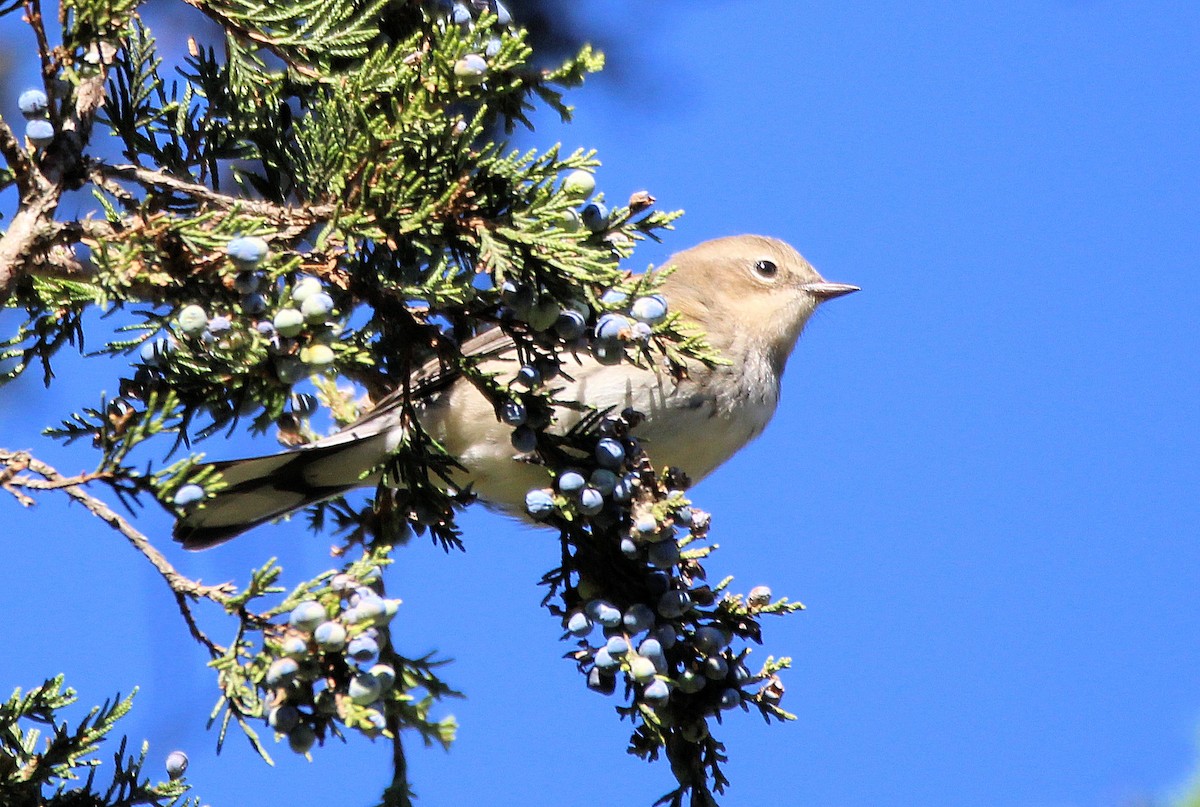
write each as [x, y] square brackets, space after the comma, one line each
[748, 291]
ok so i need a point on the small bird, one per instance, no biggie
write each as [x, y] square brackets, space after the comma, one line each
[752, 296]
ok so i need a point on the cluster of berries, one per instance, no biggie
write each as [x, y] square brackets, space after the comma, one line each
[34, 105]
[327, 666]
[472, 69]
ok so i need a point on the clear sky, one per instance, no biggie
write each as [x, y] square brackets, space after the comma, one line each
[982, 479]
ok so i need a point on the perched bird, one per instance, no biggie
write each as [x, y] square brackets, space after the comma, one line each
[750, 294]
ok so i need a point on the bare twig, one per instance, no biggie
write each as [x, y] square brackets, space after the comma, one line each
[184, 588]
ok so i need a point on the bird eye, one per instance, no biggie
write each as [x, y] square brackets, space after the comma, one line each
[766, 269]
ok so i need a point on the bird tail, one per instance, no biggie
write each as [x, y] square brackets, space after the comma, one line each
[260, 489]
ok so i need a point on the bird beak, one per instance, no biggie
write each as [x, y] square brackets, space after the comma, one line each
[824, 290]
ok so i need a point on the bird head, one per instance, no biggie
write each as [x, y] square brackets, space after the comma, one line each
[748, 292]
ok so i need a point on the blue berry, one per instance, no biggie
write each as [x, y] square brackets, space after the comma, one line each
[571, 482]
[306, 287]
[715, 668]
[330, 636]
[294, 646]
[665, 634]
[524, 439]
[579, 624]
[248, 282]
[364, 688]
[492, 47]
[674, 603]
[544, 314]
[612, 326]
[652, 649]
[603, 480]
[153, 350]
[604, 661]
[629, 548]
[617, 646]
[591, 501]
[539, 503]
[663, 555]
[281, 671]
[637, 618]
[265, 328]
[570, 325]
[640, 332]
[188, 495]
[362, 648]
[613, 297]
[742, 674]
[317, 307]
[608, 351]
[288, 321]
[33, 102]
[650, 310]
[623, 490]
[40, 132]
[303, 405]
[603, 612]
[730, 698]
[385, 675]
[302, 738]
[579, 184]
[283, 718]
[656, 691]
[528, 376]
[307, 615]
[610, 453]
[502, 14]
[684, 516]
[248, 250]
[690, 681]
[709, 639]
[254, 303]
[513, 413]
[220, 324]
[600, 681]
[177, 763]
[471, 68]
[460, 14]
[645, 524]
[595, 217]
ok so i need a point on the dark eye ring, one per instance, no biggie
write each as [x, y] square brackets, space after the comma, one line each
[766, 268]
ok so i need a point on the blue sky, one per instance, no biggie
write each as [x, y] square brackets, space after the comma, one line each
[982, 478]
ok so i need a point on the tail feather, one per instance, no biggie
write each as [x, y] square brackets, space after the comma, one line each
[260, 489]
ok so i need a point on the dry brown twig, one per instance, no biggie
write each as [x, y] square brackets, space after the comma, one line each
[14, 479]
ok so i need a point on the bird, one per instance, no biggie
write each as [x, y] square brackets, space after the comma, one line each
[752, 295]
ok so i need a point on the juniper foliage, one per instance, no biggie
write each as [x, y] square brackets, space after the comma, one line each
[324, 194]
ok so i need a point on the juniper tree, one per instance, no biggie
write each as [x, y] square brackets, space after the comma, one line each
[322, 198]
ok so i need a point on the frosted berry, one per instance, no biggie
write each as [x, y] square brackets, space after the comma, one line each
[591, 501]
[307, 615]
[281, 671]
[571, 482]
[759, 596]
[192, 320]
[317, 355]
[385, 675]
[539, 503]
[188, 495]
[471, 69]
[579, 183]
[579, 624]
[362, 648]
[610, 453]
[650, 310]
[641, 669]
[612, 326]
[306, 287]
[730, 698]
[177, 763]
[248, 250]
[317, 307]
[364, 688]
[33, 102]
[330, 636]
[656, 691]
[570, 325]
[608, 351]
[524, 439]
[513, 413]
[288, 321]
[40, 132]
[600, 681]
[637, 618]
